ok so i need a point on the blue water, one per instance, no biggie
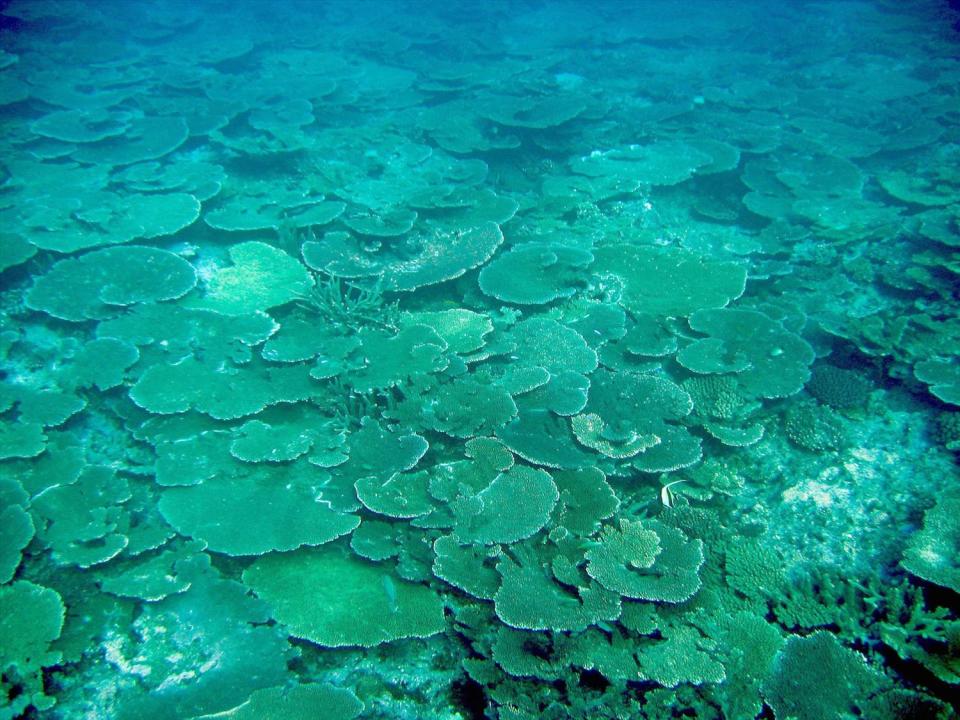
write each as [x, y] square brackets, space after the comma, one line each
[473, 360]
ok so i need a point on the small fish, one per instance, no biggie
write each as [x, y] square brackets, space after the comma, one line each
[391, 591]
[666, 495]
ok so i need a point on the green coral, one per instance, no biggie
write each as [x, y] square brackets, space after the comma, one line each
[465, 407]
[535, 273]
[749, 645]
[681, 657]
[552, 345]
[586, 499]
[102, 363]
[619, 552]
[633, 416]
[816, 677]
[346, 602]
[221, 393]
[385, 359]
[16, 531]
[31, 618]
[814, 428]
[664, 162]
[297, 702]
[463, 331]
[943, 377]
[83, 523]
[400, 495]
[99, 284]
[471, 568]
[839, 388]
[767, 360]
[931, 553]
[258, 441]
[666, 281]
[248, 514]
[173, 333]
[260, 277]
[494, 516]
[647, 561]
[530, 597]
[21, 440]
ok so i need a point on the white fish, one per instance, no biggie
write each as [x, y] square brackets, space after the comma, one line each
[666, 495]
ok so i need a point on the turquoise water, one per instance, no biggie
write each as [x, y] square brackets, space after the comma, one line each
[479, 360]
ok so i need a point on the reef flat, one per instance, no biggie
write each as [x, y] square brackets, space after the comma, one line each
[511, 360]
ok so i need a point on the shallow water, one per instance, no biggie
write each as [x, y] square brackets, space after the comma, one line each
[506, 360]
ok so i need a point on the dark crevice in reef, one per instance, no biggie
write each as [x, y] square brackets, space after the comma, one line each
[469, 696]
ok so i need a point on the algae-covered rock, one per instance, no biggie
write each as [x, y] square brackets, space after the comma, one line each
[201, 651]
